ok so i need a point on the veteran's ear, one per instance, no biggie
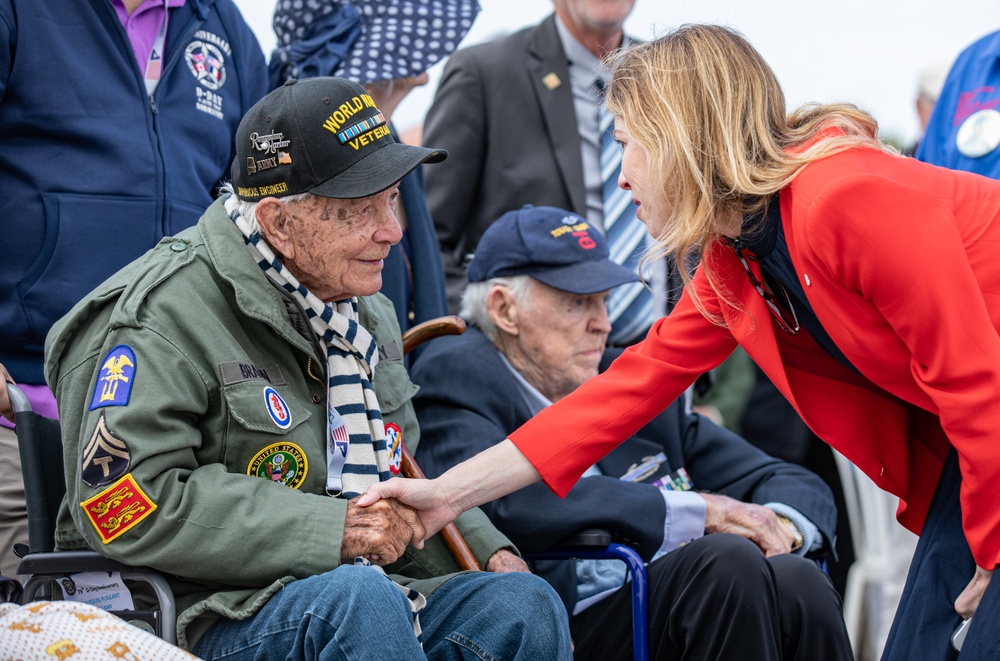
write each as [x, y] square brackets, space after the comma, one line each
[276, 224]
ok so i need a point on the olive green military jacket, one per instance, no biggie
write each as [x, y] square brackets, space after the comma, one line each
[194, 424]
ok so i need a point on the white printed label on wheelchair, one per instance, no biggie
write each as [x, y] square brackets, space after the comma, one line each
[394, 447]
[281, 463]
[104, 589]
[115, 378]
[105, 457]
[118, 509]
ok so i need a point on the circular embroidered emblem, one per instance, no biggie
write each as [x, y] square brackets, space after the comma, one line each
[277, 408]
[394, 447]
[207, 63]
[284, 463]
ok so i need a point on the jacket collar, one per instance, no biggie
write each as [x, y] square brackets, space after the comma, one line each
[545, 58]
[255, 295]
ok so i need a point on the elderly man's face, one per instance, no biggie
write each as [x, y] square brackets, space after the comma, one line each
[595, 15]
[336, 247]
[560, 339]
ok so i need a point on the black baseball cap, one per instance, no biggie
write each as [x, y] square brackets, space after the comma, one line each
[323, 136]
[554, 246]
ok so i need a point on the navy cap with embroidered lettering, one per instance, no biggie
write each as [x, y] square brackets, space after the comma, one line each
[554, 246]
[323, 136]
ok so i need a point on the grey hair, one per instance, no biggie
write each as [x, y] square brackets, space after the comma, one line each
[249, 209]
[474, 301]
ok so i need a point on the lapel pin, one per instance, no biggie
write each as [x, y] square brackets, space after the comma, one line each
[551, 80]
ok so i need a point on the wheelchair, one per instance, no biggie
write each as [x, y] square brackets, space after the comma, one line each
[47, 572]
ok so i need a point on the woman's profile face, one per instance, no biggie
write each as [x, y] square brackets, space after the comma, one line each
[634, 177]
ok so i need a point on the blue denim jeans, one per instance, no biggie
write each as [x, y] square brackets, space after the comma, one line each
[355, 613]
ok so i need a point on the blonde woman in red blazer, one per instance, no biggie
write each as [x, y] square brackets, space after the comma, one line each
[879, 324]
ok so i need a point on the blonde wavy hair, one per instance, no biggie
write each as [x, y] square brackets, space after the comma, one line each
[710, 115]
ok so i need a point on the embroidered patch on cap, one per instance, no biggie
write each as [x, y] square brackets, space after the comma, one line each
[115, 379]
[577, 230]
[394, 446]
[105, 457]
[118, 509]
[360, 127]
[277, 408]
[283, 463]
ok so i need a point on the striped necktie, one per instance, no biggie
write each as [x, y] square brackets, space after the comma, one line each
[630, 306]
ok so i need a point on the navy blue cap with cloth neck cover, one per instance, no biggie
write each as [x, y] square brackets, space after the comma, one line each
[554, 246]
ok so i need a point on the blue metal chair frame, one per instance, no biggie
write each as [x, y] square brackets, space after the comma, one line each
[596, 544]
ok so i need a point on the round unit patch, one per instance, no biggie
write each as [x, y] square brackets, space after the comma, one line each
[394, 447]
[277, 408]
[284, 463]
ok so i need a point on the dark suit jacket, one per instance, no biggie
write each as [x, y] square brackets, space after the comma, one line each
[469, 401]
[511, 140]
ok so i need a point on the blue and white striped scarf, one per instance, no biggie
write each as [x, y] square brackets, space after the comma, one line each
[352, 354]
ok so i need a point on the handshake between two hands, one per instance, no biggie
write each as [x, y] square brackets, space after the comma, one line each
[379, 526]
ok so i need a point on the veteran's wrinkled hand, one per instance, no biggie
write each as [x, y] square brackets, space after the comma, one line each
[504, 561]
[425, 496]
[755, 522]
[379, 532]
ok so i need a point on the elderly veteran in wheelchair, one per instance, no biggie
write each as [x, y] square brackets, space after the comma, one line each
[225, 397]
[723, 526]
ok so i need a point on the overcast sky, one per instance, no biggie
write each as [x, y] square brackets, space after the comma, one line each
[868, 52]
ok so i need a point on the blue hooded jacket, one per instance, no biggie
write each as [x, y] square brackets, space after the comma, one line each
[93, 172]
[973, 84]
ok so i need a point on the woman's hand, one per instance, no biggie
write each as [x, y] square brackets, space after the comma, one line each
[424, 496]
[492, 473]
[387, 94]
[968, 601]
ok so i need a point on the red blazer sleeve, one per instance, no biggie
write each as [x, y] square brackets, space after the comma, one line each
[568, 437]
[904, 249]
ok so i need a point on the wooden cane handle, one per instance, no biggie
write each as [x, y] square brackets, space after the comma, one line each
[449, 325]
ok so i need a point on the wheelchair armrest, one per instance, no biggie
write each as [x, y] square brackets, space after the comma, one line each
[69, 562]
[47, 568]
[586, 538]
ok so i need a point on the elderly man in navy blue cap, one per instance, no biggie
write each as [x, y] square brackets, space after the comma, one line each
[707, 510]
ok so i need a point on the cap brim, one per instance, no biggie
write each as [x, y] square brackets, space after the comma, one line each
[587, 277]
[378, 171]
